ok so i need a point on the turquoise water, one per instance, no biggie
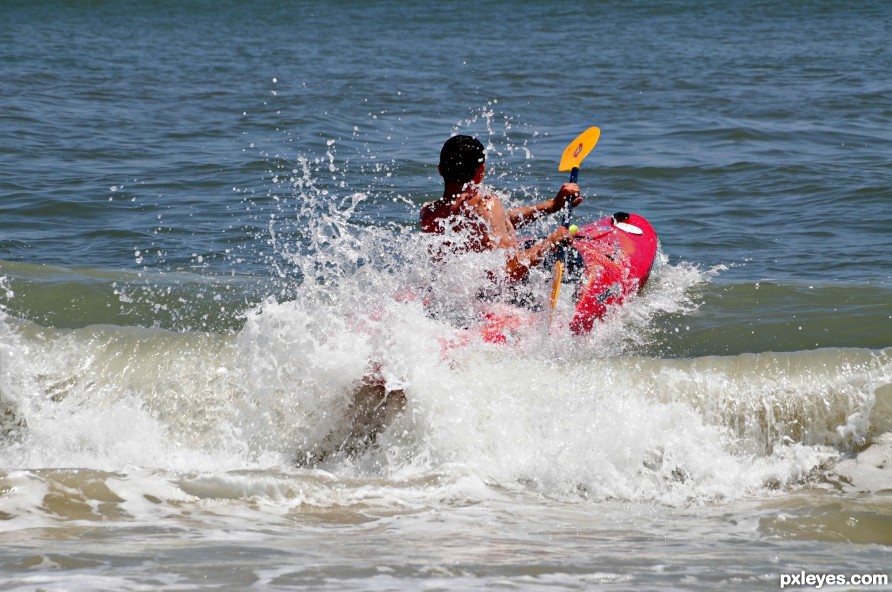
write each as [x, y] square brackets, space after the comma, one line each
[206, 209]
[162, 130]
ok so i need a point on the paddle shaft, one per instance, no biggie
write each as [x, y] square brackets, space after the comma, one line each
[574, 176]
[561, 262]
[562, 249]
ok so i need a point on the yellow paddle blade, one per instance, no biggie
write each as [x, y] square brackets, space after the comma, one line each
[556, 283]
[579, 148]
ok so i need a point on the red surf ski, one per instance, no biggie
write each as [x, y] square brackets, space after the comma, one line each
[619, 253]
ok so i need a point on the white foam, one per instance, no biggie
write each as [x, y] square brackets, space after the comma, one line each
[561, 415]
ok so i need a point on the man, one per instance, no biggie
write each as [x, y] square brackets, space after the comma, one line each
[478, 221]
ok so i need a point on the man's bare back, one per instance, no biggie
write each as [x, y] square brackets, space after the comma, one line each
[475, 221]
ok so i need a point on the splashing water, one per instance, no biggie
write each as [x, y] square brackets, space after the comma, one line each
[571, 416]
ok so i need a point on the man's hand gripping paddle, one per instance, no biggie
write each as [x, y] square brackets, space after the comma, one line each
[573, 156]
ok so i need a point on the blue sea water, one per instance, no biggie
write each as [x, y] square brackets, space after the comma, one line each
[197, 200]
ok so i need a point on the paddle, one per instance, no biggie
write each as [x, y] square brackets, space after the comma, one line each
[574, 154]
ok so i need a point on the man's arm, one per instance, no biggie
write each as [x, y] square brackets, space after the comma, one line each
[520, 262]
[524, 214]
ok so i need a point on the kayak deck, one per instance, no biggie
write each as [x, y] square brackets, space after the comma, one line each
[618, 252]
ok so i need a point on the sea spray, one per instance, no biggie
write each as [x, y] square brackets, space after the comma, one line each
[626, 427]
[351, 300]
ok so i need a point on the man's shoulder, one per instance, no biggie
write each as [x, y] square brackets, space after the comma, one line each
[430, 209]
[488, 202]
[431, 214]
[468, 203]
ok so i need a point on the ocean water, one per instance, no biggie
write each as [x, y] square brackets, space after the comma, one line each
[207, 235]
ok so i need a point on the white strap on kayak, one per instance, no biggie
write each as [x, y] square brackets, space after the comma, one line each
[630, 228]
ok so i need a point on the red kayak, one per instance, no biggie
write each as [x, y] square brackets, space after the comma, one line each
[619, 253]
[612, 259]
